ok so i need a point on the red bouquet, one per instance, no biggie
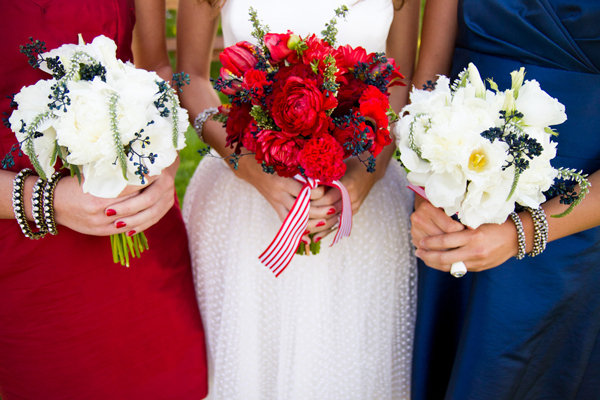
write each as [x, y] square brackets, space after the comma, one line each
[302, 105]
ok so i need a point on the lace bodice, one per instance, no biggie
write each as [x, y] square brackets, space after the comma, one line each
[304, 17]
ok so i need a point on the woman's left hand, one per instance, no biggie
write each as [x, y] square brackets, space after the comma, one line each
[483, 248]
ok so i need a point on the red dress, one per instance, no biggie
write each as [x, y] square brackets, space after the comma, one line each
[74, 325]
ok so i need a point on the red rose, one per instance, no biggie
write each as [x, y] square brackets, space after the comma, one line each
[281, 46]
[323, 158]
[255, 82]
[237, 123]
[277, 150]
[374, 106]
[300, 108]
[238, 58]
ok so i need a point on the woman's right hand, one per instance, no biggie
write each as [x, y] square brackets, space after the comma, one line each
[136, 209]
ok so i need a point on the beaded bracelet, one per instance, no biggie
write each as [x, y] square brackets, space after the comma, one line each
[37, 205]
[201, 118]
[520, 235]
[18, 207]
[540, 230]
[49, 202]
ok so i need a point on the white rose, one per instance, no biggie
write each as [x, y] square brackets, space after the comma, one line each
[538, 108]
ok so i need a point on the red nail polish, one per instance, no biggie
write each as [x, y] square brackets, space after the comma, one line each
[317, 240]
[306, 232]
[110, 212]
[304, 241]
[121, 224]
[130, 233]
[320, 223]
[331, 211]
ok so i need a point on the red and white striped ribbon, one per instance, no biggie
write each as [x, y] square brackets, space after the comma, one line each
[280, 252]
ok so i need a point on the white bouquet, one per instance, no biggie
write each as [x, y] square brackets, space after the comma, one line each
[477, 152]
[110, 123]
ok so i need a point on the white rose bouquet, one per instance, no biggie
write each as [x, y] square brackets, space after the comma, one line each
[479, 152]
[110, 123]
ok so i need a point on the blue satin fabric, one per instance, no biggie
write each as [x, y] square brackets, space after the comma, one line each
[528, 329]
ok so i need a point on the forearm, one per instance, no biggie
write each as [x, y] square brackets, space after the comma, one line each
[437, 40]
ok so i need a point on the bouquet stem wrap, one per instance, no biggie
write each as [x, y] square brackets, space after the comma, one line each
[280, 252]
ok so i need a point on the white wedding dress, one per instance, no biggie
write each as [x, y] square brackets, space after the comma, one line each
[335, 326]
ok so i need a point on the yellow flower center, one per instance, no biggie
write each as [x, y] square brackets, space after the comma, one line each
[477, 161]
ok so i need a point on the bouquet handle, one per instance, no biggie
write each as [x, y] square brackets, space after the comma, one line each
[282, 249]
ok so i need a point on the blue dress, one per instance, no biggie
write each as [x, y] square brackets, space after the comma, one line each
[528, 329]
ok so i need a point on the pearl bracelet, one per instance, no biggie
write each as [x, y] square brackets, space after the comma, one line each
[18, 207]
[540, 231]
[520, 235]
[201, 118]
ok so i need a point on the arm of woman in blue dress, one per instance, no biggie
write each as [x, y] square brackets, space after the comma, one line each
[137, 207]
[196, 28]
[402, 47]
[440, 240]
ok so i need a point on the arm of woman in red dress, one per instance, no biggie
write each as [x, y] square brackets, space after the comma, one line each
[441, 241]
[196, 29]
[137, 207]
[402, 47]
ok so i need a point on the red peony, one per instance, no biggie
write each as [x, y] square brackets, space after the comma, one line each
[349, 92]
[323, 158]
[374, 106]
[300, 108]
[277, 150]
[255, 82]
[238, 58]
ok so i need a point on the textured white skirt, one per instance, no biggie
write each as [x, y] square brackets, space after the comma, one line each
[338, 325]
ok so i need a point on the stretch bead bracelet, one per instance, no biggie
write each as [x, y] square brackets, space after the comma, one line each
[37, 205]
[49, 202]
[18, 207]
[540, 231]
[201, 118]
[520, 235]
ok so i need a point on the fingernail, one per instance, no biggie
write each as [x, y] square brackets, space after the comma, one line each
[110, 212]
[306, 232]
[130, 233]
[317, 240]
[304, 241]
[331, 211]
[121, 224]
[320, 223]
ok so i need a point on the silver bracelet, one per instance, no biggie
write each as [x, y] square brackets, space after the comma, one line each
[540, 230]
[520, 235]
[18, 197]
[201, 118]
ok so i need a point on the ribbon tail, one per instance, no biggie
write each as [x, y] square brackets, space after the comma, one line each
[280, 252]
[345, 223]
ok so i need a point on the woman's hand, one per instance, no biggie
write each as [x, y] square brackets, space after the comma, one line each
[325, 209]
[441, 241]
[136, 209]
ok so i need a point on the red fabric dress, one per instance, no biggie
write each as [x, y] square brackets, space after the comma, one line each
[74, 325]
